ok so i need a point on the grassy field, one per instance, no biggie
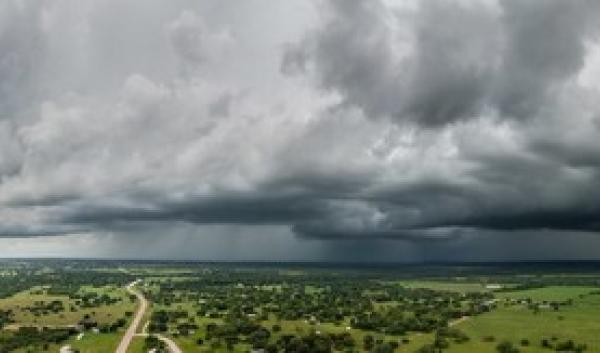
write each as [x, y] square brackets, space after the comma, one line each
[137, 345]
[578, 322]
[97, 343]
[102, 314]
[90, 342]
[454, 286]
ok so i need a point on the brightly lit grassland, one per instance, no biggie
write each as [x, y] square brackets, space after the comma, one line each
[578, 322]
[103, 314]
[97, 343]
[89, 343]
[453, 286]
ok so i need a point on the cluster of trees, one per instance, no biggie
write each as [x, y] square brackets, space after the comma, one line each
[32, 336]
[160, 319]
[6, 317]
[93, 299]
[313, 342]
[41, 308]
[244, 301]
[566, 346]
[18, 281]
[152, 343]
[320, 299]
[88, 322]
[60, 277]
[563, 346]
[444, 336]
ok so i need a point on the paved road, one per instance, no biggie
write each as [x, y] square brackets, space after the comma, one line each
[122, 348]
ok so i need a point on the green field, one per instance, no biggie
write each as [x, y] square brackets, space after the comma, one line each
[102, 314]
[97, 343]
[579, 322]
[137, 345]
[457, 286]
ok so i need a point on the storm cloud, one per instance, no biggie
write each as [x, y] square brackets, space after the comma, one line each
[428, 124]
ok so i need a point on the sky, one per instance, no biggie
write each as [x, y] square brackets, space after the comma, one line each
[300, 130]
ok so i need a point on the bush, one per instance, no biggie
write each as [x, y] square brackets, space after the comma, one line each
[506, 347]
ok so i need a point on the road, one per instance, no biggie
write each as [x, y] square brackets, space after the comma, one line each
[458, 321]
[171, 345]
[126, 340]
[139, 315]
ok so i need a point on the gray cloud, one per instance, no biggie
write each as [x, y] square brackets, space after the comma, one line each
[428, 124]
[21, 43]
[443, 62]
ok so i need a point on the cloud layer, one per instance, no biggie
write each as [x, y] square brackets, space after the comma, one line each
[427, 122]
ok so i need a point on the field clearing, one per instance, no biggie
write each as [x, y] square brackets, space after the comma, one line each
[461, 287]
[103, 314]
[578, 322]
[556, 293]
[97, 343]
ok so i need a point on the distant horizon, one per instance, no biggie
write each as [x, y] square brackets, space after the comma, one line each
[292, 262]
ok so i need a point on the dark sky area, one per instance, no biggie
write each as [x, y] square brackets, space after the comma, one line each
[304, 130]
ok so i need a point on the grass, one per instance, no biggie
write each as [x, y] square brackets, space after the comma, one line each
[188, 343]
[137, 345]
[97, 343]
[548, 293]
[90, 342]
[102, 314]
[454, 286]
[578, 322]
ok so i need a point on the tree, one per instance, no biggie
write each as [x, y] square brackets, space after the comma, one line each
[368, 342]
[506, 347]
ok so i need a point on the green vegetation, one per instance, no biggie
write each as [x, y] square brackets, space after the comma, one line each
[205, 308]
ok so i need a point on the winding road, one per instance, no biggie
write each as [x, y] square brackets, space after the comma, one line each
[139, 315]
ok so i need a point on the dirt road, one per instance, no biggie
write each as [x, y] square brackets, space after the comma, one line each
[171, 345]
[173, 348]
[458, 321]
[131, 331]
[126, 340]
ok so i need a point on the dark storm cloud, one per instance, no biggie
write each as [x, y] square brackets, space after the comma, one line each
[563, 219]
[230, 209]
[447, 61]
[20, 231]
[318, 230]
